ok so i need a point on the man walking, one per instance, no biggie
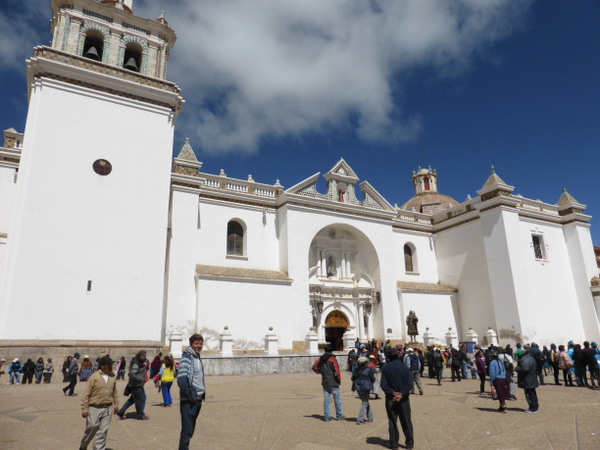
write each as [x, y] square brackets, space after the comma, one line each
[99, 402]
[589, 357]
[329, 370]
[72, 374]
[414, 365]
[135, 387]
[192, 389]
[396, 382]
[528, 380]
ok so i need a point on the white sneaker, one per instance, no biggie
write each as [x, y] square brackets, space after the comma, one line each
[529, 411]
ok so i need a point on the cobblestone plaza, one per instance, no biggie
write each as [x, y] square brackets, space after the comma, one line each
[285, 412]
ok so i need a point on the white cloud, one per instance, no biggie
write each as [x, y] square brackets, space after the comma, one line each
[261, 69]
[24, 24]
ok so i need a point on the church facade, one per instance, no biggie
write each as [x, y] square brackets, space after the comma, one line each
[104, 238]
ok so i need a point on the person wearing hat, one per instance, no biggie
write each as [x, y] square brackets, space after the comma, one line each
[498, 380]
[589, 356]
[527, 371]
[135, 387]
[518, 352]
[14, 371]
[72, 373]
[413, 363]
[362, 383]
[99, 402]
[397, 383]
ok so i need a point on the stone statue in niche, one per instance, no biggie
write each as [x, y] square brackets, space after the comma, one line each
[331, 268]
[411, 323]
[341, 193]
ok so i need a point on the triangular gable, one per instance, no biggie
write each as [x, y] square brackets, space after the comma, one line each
[307, 186]
[373, 199]
[342, 169]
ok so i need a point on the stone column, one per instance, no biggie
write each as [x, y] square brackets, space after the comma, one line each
[343, 266]
[271, 343]
[361, 322]
[348, 267]
[320, 262]
[226, 342]
[451, 338]
[323, 264]
[312, 342]
[491, 337]
[428, 337]
[370, 325]
[349, 338]
[472, 336]
[176, 344]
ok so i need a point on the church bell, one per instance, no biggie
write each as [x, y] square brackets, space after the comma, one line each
[92, 53]
[131, 65]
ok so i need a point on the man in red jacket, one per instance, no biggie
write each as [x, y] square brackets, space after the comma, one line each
[329, 370]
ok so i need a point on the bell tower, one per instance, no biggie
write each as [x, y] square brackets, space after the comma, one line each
[86, 246]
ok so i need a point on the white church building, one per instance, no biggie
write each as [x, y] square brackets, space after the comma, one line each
[105, 240]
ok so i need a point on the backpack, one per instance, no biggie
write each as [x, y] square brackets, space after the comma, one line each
[507, 364]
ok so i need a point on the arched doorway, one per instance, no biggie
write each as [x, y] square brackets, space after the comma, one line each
[336, 325]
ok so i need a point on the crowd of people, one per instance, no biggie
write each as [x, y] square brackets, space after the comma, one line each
[377, 366]
[100, 399]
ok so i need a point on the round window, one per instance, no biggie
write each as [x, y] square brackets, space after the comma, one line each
[102, 167]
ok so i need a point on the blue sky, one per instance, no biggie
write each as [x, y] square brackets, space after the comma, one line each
[282, 89]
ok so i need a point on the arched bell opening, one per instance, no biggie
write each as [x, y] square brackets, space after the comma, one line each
[93, 46]
[336, 324]
[133, 57]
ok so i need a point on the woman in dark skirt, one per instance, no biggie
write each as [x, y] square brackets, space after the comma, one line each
[498, 380]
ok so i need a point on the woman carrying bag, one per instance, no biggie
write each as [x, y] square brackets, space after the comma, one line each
[362, 383]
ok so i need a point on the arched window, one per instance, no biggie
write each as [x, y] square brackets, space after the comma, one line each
[235, 238]
[409, 259]
[426, 184]
[93, 46]
[133, 57]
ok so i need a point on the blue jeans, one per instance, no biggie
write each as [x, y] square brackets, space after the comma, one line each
[189, 414]
[15, 376]
[464, 366]
[166, 392]
[327, 392]
[365, 408]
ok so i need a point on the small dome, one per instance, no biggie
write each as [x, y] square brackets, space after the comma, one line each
[429, 203]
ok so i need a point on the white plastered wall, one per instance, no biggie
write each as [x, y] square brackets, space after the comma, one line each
[434, 311]
[462, 263]
[72, 225]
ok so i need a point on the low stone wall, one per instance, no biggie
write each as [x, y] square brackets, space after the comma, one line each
[59, 350]
[257, 364]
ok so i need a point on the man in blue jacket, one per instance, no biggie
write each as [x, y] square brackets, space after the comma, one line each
[190, 380]
[396, 382]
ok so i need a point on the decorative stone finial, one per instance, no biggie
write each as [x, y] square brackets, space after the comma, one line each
[492, 169]
[222, 173]
[250, 178]
[270, 328]
[226, 328]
